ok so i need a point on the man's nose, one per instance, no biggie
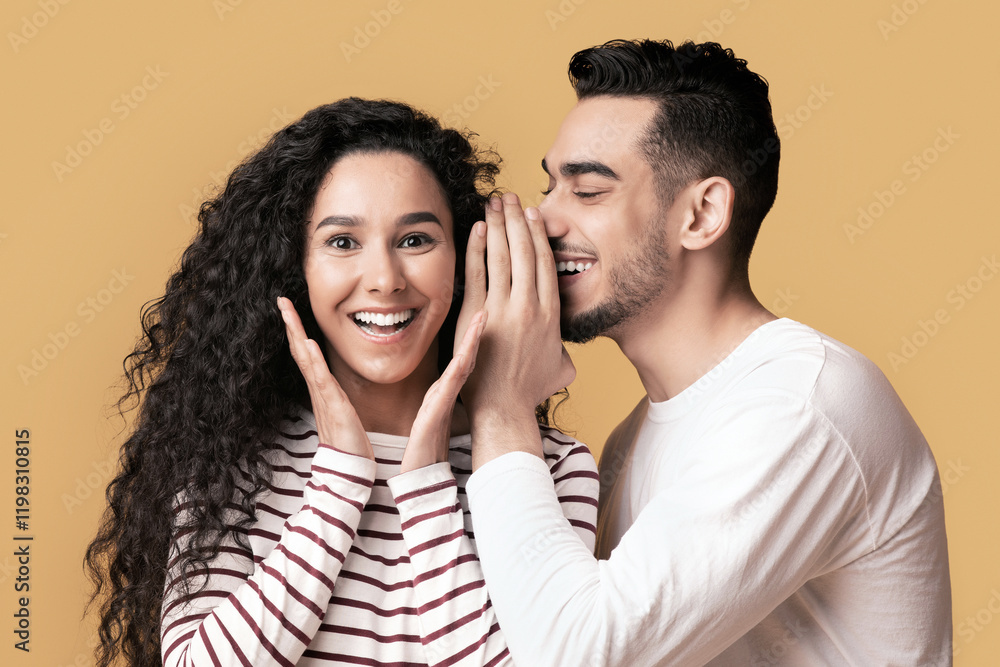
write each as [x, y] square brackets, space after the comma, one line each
[555, 221]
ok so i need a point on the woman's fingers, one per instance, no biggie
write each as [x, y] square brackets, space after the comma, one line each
[431, 429]
[296, 337]
[441, 397]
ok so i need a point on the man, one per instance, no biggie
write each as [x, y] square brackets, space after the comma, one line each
[770, 501]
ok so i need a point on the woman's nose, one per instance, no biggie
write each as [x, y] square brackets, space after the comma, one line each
[383, 273]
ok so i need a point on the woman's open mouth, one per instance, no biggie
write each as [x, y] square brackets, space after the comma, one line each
[384, 324]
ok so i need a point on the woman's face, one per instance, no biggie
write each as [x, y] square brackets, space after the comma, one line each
[380, 267]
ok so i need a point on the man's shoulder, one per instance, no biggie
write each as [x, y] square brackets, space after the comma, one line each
[788, 356]
[842, 388]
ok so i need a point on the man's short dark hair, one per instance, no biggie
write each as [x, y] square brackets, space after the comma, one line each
[714, 119]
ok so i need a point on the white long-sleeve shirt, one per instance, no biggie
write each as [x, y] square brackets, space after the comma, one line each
[783, 510]
[353, 563]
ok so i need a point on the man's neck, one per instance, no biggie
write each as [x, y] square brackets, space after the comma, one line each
[682, 339]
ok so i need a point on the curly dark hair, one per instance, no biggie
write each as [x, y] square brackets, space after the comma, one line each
[212, 375]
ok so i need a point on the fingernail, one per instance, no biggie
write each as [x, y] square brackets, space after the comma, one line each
[531, 213]
[480, 229]
[495, 203]
[511, 198]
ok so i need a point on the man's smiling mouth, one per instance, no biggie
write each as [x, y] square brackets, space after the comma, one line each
[572, 268]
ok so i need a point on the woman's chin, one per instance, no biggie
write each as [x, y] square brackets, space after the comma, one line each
[390, 373]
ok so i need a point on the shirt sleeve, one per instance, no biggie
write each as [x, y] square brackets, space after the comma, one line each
[236, 613]
[458, 622]
[750, 517]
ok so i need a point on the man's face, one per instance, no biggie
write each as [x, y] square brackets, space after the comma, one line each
[604, 217]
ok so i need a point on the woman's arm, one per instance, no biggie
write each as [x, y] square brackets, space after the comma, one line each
[458, 624]
[236, 612]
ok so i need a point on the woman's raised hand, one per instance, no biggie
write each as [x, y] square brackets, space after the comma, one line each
[337, 421]
[431, 428]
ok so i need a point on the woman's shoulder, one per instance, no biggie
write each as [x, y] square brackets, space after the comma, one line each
[564, 453]
[294, 436]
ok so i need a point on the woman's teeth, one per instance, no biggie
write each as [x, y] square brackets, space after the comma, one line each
[384, 324]
[568, 268]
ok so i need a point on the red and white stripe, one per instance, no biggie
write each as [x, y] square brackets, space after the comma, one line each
[352, 563]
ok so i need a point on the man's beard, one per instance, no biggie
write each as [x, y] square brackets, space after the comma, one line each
[636, 280]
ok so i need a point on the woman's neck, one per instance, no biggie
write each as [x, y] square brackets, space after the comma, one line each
[388, 408]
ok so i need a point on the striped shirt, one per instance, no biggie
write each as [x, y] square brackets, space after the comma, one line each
[352, 563]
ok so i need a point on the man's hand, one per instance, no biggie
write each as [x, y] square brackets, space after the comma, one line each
[523, 360]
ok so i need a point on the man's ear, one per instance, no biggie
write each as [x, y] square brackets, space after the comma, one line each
[709, 212]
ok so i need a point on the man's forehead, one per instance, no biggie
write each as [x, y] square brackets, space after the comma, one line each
[600, 129]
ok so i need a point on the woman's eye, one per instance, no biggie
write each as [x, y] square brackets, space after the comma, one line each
[547, 192]
[414, 241]
[586, 195]
[342, 243]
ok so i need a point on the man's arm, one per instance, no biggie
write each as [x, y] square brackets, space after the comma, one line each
[748, 520]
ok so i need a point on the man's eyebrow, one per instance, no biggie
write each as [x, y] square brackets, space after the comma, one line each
[569, 169]
[414, 218]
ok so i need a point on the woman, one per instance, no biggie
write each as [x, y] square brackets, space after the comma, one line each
[270, 507]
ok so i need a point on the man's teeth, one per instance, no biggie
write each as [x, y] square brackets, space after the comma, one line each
[573, 267]
[384, 319]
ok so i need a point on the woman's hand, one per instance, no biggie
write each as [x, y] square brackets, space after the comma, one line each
[431, 430]
[337, 421]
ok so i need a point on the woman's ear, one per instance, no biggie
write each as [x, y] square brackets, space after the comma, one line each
[710, 211]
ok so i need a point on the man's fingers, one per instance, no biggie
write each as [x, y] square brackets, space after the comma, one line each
[546, 280]
[522, 251]
[475, 269]
[497, 252]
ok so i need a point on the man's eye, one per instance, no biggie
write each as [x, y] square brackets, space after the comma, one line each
[547, 192]
[342, 243]
[587, 195]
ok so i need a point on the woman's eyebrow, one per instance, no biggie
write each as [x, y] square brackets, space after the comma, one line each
[414, 218]
[340, 221]
[418, 217]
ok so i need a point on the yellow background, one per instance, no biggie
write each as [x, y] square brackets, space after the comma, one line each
[227, 70]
